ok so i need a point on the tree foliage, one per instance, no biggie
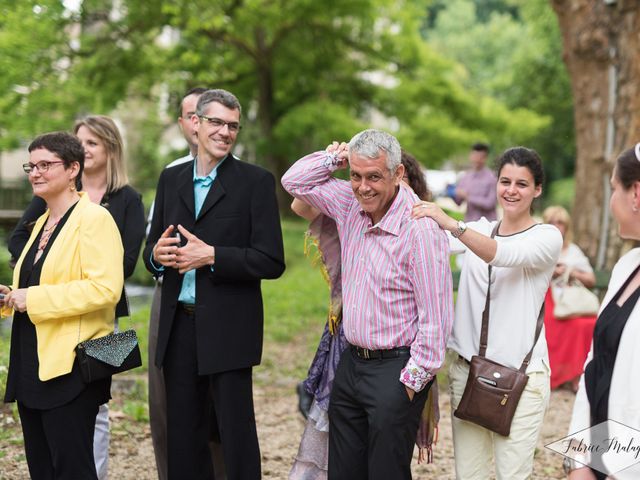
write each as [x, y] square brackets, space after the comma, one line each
[306, 72]
[511, 50]
[33, 43]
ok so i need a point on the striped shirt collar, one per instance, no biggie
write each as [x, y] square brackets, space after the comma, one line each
[392, 221]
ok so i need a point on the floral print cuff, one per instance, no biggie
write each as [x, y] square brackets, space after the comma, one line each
[414, 376]
[331, 161]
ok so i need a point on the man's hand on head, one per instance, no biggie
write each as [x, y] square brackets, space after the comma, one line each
[341, 152]
[194, 254]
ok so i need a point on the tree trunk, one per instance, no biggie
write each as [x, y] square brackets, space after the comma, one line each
[602, 55]
[266, 118]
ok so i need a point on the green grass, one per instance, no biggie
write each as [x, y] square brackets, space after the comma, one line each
[139, 321]
[135, 403]
[561, 192]
[6, 412]
[300, 298]
[6, 272]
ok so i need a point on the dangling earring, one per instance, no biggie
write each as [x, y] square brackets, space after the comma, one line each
[72, 187]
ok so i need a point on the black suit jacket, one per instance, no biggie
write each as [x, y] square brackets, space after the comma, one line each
[240, 218]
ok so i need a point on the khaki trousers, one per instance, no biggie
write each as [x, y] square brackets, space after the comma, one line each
[475, 446]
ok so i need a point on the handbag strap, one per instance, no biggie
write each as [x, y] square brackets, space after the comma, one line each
[484, 332]
[116, 324]
[525, 362]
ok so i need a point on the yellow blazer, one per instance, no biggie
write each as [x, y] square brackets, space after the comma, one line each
[80, 284]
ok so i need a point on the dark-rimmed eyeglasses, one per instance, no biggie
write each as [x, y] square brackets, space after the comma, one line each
[41, 166]
[218, 123]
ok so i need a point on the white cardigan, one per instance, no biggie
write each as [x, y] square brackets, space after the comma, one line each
[624, 396]
[523, 264]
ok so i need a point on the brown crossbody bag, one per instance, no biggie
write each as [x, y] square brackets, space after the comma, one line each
[493, 391]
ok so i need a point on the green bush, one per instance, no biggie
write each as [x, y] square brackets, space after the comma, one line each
[561, 192]
[141, 275]
[6, 272]
[298, 300]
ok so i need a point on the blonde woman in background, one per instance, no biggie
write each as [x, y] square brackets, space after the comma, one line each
[568, 339]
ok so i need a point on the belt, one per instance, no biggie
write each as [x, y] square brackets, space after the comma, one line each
[460, 357]
[367, 354]
[187, 308]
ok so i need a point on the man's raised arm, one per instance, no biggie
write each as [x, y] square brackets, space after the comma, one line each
[311, 180]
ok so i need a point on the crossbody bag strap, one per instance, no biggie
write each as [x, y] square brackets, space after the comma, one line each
[116, 320]
[484, 332]
[525, 362]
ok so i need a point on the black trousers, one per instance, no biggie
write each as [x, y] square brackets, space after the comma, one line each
[189, 410]
[373, 424]
[158, 404]
[59, 442]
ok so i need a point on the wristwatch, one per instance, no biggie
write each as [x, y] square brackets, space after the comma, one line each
[462, 227]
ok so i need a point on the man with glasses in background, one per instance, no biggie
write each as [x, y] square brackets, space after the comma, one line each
[211, 318]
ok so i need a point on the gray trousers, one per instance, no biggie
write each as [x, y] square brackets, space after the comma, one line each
[158, 401]
[101, 442]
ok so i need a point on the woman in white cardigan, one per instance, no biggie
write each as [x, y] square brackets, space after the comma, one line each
[523, 255]
[609, 388]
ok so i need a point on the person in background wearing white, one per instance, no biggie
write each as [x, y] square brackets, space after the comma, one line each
[569, 339]
[523, 255]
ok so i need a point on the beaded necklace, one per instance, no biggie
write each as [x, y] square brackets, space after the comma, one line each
[44, 239]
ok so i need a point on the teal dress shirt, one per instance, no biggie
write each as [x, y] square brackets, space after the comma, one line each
[201, 187]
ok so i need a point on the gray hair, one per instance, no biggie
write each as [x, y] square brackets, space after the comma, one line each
[370, 143]
[220, 96]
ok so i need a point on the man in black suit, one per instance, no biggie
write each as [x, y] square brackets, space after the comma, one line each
[211, 316]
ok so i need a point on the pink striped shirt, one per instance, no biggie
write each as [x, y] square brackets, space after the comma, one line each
[396, 281]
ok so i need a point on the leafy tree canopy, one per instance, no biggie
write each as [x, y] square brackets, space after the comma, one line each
[306, 72]
[511, 50]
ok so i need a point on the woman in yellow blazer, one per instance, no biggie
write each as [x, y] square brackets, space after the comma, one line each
[65, 288]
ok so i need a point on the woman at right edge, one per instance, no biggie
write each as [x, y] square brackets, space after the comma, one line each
[523, 255]
[609, 388]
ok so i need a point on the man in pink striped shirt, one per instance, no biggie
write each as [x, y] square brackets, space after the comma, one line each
[397, 303]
